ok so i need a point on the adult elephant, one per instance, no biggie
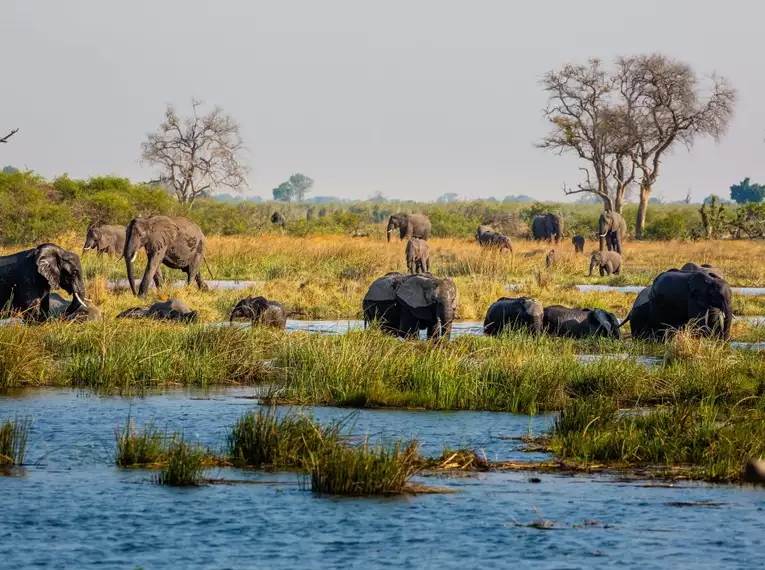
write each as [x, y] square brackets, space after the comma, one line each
[547, 226]
[27, 278]
[260, 310]
[380, 304]
[678, 298]
[170, 310]
[177, 243]
[580, 323]
[513, 313]
[426, 302]
[611, 231]
[409, 225]
[278, 219]
[105, 239]
[489, 238]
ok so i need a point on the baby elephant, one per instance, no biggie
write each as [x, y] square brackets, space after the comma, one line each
[170, 310]
[609, 262]
[84, 312]
[580, 323]
[260, 310]
[578, 242]
[550, 258]
[417, 255]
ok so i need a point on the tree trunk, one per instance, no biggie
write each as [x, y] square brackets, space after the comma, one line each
[618, 203]
[645, 194]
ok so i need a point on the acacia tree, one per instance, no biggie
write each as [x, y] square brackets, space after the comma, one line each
[9, 135]
[197, 154]
[302, 184]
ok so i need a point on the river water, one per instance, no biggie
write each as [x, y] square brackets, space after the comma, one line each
[70, 508]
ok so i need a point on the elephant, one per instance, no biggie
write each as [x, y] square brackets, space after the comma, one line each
[578, 242]
[547, 226]
[711, 269]
[550, 258]
[678, 298]
[105, 239]
[611, 231]
[170, 310]
[278, 219]
[260, 310]
[58, 310]
[426, 302]
[27, 278]
[608, 262]
[380, 304]
[513, 313]
[489, 238]
[409, 225]
[417, 256]
[176, 242]
[580, 323]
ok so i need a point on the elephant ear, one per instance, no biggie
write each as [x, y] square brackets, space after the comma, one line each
[384, 288]
[643, 297]
[418, 291]
[48, 264]
[162, 233]
[698, 285]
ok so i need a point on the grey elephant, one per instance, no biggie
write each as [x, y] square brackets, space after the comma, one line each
[278, 219]
[489, 238]
[548, 227]
[578, 242]
[427, 302]
[417, 256]
[260, 310]
[522, 313]
[679, 298]
[580, 323]
[58, 309]
[550, 258]
[27, 278]
[170, 310]
[409, 225]
[380, 304]
[607, 262]
[105, 239]
[177, 243]
[705, 267]
[611, 231]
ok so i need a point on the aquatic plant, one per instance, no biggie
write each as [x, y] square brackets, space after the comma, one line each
[139, 449]
[14, 434]
[185, 464]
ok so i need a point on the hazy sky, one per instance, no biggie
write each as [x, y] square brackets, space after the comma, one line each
[413, 98]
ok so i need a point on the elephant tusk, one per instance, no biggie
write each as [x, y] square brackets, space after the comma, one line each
[604, 235]
[80, 301]
[132, 259]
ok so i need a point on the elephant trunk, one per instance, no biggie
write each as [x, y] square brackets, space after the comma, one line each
[129, 253]
[78, 297]
[446, 316]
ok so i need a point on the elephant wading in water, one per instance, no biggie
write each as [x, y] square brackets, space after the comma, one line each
[380, 304]
[260, 310]
[27, 278]
[607, 262]
[487, 237]
[679, 298]
[611, 231]
[547, 226]
[580, 323]
[513, 313]
[409, 225]
[105, 239]
[176, 242]
[170, 310]
[417, 256]
[426, 302]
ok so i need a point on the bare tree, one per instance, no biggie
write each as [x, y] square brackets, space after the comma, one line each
[9, 135]
[665, 107]
[197, 154]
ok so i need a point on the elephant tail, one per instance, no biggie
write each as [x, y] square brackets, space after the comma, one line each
[625, 321]
[208, 267]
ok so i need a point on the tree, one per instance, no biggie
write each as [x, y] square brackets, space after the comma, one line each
[197, 154]
[747, 192]
[284, 192]
[446, 198]
[301, 184]
[9, 135]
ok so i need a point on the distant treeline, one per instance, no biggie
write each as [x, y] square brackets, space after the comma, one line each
[33, 210]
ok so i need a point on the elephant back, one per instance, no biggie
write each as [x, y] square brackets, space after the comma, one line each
[384, 288]
[419, 291]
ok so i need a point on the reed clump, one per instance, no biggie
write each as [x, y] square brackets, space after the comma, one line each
[184, 464]
[14, 434]
[139, 449]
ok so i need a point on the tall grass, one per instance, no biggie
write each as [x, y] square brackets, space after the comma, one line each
[185, 464]
[13, 440]
[139, 449]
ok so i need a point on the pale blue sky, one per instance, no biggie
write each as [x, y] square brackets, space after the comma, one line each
[413, 98]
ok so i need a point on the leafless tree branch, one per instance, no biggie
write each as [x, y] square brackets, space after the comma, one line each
[9, 135]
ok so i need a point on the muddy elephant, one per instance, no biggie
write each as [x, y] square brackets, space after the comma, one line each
[679, 298]
[409, 225]
[580, 323]
[27, 278]
[705, 267]
[58, 307]
[380, 304]
[578, 242]
[548, 227]
[177, 243]
[522, 313]
[417, 256]
[260, 310]
[278, 219]
[611, 231]
[607, 262]
[487, 237]
[105, 239]
[170, 310]
[427, 302]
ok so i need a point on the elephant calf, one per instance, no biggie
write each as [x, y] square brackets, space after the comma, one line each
[105, 239]
[489, 238]
[580, 323]
[260, 310]
[513, 313]
[550, 258]
[417, 256]
[578, 242]
[58, 307]
[170, 310]
[608, 262]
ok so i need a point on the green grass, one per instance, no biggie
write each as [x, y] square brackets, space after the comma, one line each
[139, 449]
[185, 464]
[13, 441]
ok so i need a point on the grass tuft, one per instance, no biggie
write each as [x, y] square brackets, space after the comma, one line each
[13, 441]
[185, 464]
[139, 449]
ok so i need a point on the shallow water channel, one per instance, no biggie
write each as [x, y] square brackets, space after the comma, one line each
[71, 508]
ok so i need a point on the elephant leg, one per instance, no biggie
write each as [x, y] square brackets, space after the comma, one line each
[195, 272]
[158, 279]
[602, 271]
[408, 325]
[155, 259]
